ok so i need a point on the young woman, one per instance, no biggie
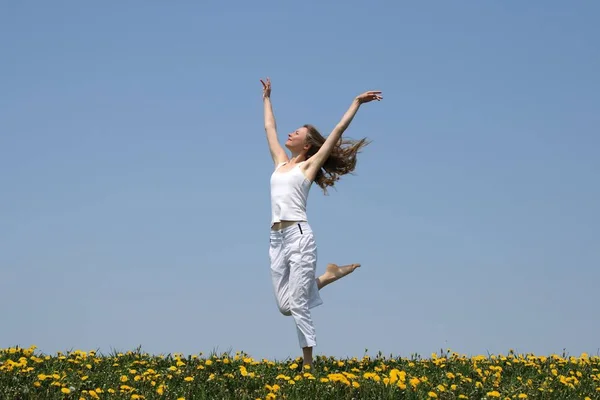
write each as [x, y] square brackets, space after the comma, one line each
[293, 251]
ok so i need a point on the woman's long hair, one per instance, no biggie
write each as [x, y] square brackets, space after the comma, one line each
[341, 161]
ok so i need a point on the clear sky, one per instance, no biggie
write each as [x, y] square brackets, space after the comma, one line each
[134, 183]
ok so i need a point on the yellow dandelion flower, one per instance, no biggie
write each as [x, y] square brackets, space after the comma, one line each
[522, 396]
[65, 390]
[188, 378]
[124, 378]
[493, 394]
[355, 384]
[308, 375]
[432, 395]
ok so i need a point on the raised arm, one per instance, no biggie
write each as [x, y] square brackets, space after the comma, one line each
[315, 162]
[277, 152]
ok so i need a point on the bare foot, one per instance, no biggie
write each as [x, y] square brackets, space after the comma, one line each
[333, 273]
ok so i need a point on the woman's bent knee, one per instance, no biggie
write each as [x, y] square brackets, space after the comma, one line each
[285, 310]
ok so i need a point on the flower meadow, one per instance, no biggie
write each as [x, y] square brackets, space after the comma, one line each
[26, 374]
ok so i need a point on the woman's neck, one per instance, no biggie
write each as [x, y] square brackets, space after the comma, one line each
[297, 158]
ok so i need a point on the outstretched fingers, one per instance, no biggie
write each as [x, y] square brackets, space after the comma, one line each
[267, 83]
[370, 96]
[375, 94]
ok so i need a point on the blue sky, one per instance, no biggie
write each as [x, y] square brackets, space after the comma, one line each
[135, 174]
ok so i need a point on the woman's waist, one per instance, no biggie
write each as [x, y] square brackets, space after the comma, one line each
[285, 225]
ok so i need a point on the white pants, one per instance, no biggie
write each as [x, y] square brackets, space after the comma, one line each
[293, 255]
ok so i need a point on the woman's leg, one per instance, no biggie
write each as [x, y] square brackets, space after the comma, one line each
[303, 287]
[307, 354]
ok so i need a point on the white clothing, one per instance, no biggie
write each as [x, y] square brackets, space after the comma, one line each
[289, 193]
[293, 255]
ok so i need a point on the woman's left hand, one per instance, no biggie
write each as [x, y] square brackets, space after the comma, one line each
[369, 96]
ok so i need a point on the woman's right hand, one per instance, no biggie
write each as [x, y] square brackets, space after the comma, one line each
[266, 88]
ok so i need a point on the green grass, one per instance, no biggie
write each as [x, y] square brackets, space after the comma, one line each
[25, 374]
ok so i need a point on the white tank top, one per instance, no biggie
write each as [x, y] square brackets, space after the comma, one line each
[289, 193]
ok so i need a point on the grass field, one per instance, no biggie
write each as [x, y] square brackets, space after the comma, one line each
[27, 374]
